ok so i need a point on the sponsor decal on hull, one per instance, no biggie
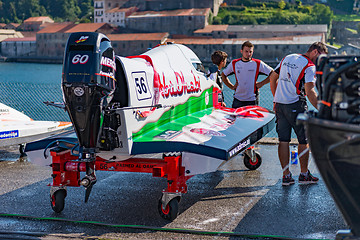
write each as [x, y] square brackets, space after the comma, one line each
[180, 87]
[238, 148]
[9, 134]
[207, 132]
[168, 135]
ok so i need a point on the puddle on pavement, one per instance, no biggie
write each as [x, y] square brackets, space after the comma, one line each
[11, 154]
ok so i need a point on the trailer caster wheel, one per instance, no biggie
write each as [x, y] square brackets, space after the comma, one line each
[171, 210]
[254, 163]
[57, 201]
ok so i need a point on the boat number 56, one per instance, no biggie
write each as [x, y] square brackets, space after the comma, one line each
[82, 59]
[141, 85]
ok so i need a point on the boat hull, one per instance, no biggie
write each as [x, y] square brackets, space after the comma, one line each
[21, 132]
[335, 147]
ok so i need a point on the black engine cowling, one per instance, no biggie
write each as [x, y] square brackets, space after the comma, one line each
[88, 83]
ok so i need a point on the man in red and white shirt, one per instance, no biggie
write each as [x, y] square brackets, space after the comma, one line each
[292, 80]
[247, 70]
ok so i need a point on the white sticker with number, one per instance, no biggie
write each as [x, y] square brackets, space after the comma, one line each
[141, 85]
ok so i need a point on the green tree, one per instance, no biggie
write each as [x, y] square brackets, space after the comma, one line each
[29, 8]
[282, 4]
[12, 12]
[60, 10]
[345, 6]
[229, 19]
[86, 8]
[245, 2]
[358, 28]
[217, 20]
[322, 14]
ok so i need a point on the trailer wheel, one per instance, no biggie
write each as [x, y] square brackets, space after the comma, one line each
[254, 163]
[171, 210]
[57, 201]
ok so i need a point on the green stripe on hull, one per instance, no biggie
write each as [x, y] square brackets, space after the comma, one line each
[177, 117]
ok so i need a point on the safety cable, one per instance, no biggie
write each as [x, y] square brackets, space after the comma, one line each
[143, 227]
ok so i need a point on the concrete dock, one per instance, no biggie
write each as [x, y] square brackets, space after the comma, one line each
[231, 203]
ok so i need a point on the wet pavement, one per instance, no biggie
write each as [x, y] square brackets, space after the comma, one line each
[231, 203]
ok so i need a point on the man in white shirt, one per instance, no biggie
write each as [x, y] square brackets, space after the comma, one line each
[292, 80]
[247, 70]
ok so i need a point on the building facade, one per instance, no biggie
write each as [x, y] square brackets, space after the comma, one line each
[270, 50]
[102, 6]
[180, 21]
[51, 41]
[9, 33]
[263, 31]
[35, 23]
[18, 47]
[135, 44]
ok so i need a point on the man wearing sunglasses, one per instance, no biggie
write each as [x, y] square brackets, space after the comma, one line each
[292, 80]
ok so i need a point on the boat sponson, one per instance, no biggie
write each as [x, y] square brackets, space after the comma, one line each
[335, 148]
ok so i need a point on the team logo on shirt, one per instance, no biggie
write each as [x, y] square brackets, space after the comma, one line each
[290, 65]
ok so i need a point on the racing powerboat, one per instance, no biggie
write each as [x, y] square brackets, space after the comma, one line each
[17, 128]
[334, 135]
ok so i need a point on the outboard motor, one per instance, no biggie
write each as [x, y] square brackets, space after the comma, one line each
[88, 83]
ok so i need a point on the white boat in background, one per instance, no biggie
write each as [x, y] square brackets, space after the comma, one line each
[17, 128]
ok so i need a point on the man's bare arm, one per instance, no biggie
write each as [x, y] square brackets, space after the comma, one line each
[273, 82]
[227, 82]
[311, 93]
[263, 82]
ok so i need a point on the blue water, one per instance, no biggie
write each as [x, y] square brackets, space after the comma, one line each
[25, 86]
[30, 73]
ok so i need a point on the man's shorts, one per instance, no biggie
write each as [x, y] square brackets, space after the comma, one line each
[286, 115]
[237, 103]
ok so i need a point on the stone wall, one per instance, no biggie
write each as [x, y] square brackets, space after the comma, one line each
[172, 24]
